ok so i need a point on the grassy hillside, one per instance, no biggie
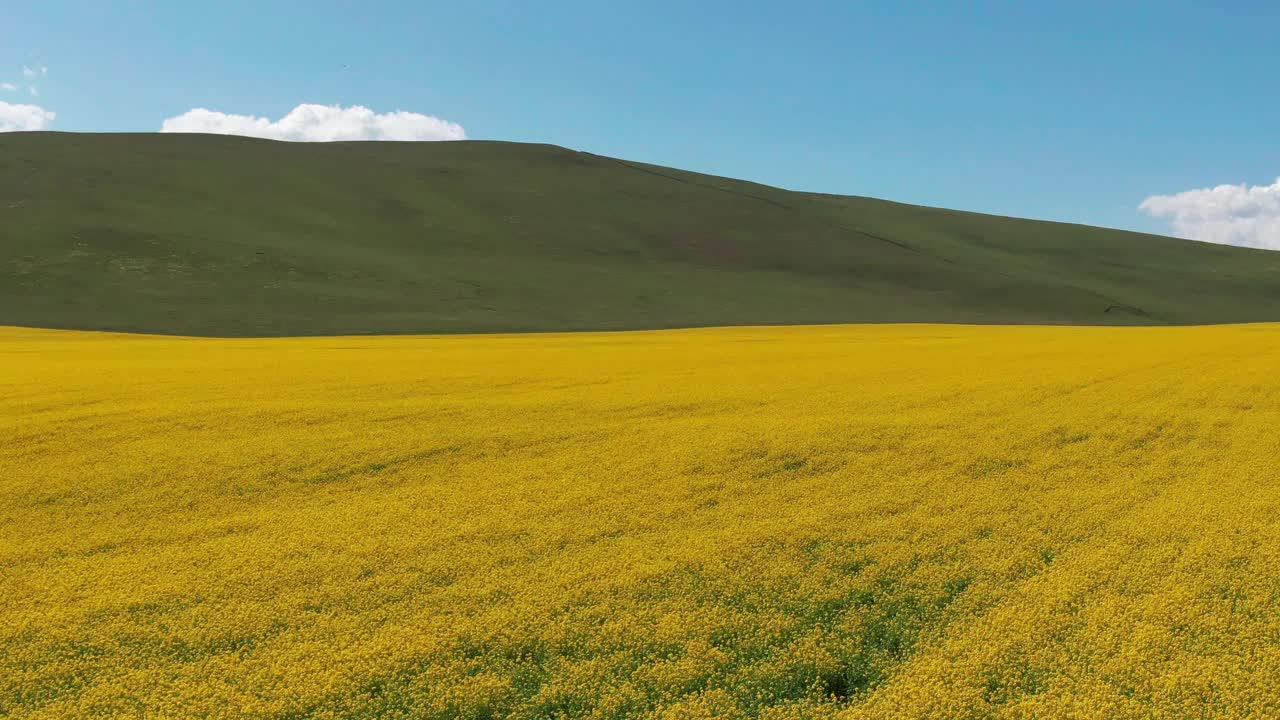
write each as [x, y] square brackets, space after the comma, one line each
[213, 235]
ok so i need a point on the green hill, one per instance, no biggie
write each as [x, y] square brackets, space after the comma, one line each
[214, 235]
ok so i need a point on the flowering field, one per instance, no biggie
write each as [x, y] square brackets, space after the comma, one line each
[874, 521]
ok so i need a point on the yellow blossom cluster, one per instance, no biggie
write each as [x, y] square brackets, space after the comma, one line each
[820, 522]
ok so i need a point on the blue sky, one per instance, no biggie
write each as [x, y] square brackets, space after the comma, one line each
[1074, 111]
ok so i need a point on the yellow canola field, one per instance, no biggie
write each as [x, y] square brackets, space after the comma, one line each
[823, 522]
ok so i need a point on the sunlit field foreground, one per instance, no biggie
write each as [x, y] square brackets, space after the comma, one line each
[879, 522]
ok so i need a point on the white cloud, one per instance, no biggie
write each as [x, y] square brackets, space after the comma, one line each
[30, 77]
[319, 123]
[24, 117]
[1228, 214]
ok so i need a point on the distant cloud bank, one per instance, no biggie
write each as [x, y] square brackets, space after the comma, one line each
[24, 117]
[319, 123]
[1246, 215]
